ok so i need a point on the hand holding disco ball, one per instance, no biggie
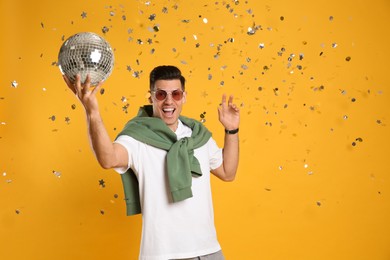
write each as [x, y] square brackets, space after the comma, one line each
[86, 54]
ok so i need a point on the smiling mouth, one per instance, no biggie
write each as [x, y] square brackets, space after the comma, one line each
[168, 111]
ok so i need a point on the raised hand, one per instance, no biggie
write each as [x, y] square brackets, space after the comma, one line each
[229, 113]
[84, 92]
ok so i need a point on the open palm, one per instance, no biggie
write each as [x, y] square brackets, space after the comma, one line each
[229, 113]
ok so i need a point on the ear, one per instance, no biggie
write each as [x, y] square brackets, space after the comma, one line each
[150, 100]
[184, 97]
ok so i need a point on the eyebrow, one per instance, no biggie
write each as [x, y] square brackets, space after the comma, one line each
[168, 90]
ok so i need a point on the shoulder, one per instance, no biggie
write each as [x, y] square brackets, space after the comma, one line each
[127, 141]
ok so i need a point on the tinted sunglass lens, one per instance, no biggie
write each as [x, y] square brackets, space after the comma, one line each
[177, 95]
[161, 95]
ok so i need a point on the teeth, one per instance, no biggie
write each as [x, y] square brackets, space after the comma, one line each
[168, 109]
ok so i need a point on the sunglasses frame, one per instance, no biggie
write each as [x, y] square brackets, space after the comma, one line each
[166, 93]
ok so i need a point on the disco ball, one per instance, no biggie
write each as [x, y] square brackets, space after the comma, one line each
[86, 53]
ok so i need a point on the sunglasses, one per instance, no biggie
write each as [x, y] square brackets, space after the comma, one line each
[161, 95]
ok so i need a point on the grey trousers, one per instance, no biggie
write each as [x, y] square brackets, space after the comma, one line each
[214, 256]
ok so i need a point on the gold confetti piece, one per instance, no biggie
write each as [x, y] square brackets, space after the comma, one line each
[105, 29]
[57, 174]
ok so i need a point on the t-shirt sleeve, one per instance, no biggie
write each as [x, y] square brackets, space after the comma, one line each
[130, 145]
[215, 154]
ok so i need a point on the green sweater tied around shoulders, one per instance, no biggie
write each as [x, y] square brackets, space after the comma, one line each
[181, 162]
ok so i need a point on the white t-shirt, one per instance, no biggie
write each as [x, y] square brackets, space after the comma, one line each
[173, 230]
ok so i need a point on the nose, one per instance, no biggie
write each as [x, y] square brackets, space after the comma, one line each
[168, 98]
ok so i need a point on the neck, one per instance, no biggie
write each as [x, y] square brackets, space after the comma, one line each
[174, 127]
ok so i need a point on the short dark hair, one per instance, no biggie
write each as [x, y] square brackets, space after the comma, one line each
[166, 72]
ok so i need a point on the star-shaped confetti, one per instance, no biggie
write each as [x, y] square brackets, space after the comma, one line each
[125, 107]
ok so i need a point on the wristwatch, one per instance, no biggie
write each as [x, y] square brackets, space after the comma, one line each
[231, 132]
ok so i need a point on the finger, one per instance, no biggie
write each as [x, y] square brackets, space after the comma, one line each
[87, 84]
[77, 84]
[230, 102]
[97, 88]
[223, 100]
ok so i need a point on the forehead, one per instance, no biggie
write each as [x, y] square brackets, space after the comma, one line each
[167, 84]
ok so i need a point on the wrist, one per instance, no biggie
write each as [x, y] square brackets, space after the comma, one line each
[93, 114]
[231, 131]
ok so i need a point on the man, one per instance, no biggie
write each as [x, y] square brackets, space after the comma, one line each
[165, 160]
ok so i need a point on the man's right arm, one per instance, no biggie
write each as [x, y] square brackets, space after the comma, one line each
[109, 154]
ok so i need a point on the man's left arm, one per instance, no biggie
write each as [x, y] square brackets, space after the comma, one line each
[229, 116]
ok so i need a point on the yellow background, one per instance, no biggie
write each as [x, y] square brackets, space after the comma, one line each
[303, 190]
